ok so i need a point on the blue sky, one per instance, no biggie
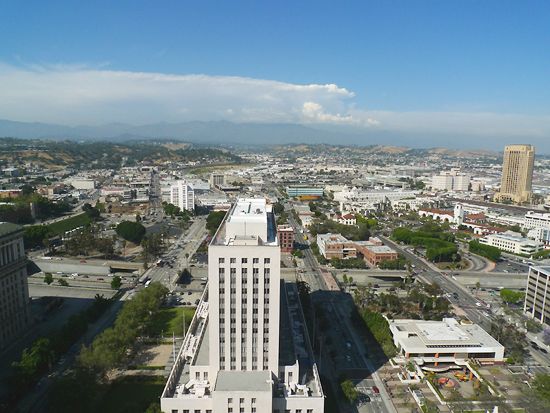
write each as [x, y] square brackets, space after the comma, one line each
[393, 59]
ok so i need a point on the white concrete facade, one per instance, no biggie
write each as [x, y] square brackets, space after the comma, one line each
[182, 195]
[534, 220]
[513, 242]
[445, 341]
[232, 359]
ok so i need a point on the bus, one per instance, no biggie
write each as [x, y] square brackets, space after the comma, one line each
[144, 279]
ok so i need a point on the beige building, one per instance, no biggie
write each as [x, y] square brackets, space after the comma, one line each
[517, 174]
[14, 291]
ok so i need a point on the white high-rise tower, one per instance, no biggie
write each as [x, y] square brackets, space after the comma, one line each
[247, 348]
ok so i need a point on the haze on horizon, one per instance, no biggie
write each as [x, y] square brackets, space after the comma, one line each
[432, 73]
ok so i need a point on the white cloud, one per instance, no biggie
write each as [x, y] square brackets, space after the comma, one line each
[76, 94]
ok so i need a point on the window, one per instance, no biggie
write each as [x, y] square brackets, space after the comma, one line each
[255, 260]
[241, 400]
[232, 260]
[230, 410]
[244, 260]
[241, 410]
[267, 260]
[197, 411]
[253, 400]
[175, 410]
[230, 400]
[221, 260]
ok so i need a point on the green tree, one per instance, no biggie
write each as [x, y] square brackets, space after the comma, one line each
[48, 278]
[35, 235]
[153, 408]
[62, 282]
[510, 296]
[131, 231]
[214, 220]
[349, 390]
[116, 282]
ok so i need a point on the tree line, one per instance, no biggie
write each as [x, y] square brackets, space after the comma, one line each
[81, 388]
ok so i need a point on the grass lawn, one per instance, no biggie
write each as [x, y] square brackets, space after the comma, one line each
[131, 394]
[60, 227]
[169, 321]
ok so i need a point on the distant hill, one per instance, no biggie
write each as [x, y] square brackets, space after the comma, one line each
[260, 134]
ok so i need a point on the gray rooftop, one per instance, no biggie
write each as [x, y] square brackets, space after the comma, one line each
[7, 228]
[243, 381]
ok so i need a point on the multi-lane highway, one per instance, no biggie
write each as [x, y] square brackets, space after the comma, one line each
[459, 295]
[179, 252]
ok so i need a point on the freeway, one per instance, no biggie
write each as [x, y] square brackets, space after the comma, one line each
[179, 252]
[459, 295]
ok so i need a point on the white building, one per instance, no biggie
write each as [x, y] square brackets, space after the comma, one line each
[445, 341]
[533, 220]
[83, 183]
[182, 195]
[247, 348]
[452, 180]
[540, 235]
[511, 241]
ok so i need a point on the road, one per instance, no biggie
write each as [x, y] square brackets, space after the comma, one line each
[179, 252]
[312, 275]
[459, 294]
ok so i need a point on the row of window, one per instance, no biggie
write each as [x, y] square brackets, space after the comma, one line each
[221, 260]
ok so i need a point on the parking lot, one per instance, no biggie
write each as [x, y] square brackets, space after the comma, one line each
[509, 266]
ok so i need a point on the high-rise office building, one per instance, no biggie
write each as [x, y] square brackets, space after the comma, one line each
[182, 195]
[247, 347]
[517, 174]
[537, 295]
[14, 290]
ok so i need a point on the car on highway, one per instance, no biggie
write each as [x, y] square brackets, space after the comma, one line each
[375, 390]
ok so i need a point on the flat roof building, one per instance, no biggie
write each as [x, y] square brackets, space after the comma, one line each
[285, 235]
[445, 341]
[247, 348]
[511, 241]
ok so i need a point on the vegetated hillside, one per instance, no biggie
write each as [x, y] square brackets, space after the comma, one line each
[301, 149]
[60, 154]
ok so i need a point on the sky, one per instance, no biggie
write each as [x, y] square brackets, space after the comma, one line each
[460, 68]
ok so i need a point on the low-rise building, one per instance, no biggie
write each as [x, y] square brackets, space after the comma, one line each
[534, 220]
[375, 254]
[335, 246]
[513, 242]
[285, 234]
[304, 192]
[446, 341]
[346, 219]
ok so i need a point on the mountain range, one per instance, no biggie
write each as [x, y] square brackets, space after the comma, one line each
[250, 134]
